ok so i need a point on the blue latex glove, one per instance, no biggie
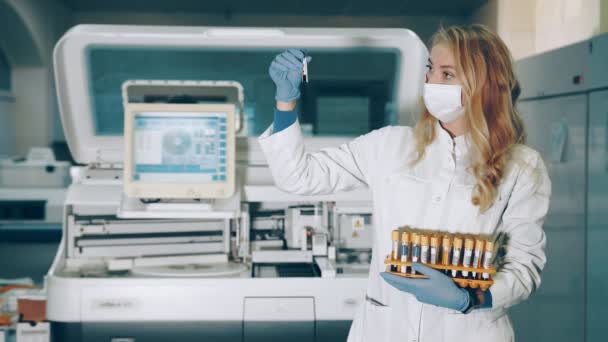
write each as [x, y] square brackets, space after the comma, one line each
[438, 289]
[286, 72]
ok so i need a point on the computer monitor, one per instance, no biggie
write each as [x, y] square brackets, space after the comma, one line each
[179, 151]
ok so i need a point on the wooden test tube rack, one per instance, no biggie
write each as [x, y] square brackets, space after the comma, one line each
[462, 282]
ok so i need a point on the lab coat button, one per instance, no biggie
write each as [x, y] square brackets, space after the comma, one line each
[437, 199]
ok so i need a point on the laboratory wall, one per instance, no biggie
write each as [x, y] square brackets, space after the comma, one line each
[35, 27]
[582, 18]
[513, 20]
[531, 27]
[5, 73]
[7, 120]
[486, 14]
[517, 27]
[7, 109]
[603, 16]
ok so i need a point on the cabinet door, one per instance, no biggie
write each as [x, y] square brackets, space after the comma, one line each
[563, 71]
[597, 218]
[597, 75]
[556, 128]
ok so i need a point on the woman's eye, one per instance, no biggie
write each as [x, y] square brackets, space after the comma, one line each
[448, 76]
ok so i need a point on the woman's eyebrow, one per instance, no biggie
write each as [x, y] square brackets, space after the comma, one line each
[442, 66]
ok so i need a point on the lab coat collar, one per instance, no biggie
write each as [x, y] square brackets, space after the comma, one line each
[459, 145]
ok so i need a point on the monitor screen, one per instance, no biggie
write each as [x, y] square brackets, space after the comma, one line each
[179, 147]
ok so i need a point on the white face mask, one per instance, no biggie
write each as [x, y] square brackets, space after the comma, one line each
[443, 101]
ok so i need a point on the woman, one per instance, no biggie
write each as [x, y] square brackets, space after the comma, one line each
[463, 168]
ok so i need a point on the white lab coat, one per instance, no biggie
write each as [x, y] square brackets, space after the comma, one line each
[433, 194]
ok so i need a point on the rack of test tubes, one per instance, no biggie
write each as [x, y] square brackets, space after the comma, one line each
[467, 259]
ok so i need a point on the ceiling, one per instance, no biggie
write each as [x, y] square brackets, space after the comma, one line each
[291, 7]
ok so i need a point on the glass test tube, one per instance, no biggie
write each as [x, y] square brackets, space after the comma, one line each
[395, 250]
[415, 250]
[456, 254]
[446, 249]
[424, 248]
[477, 255]
[487, 258]
[435, 249]
[405, 249]
[469, 244]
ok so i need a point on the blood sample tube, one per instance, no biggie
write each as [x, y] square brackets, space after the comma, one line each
[405, 250]
[477, 255]
[424, 248]
[395, 250]
[435, 249]
[487, 258]
[415, 250]
[469, 244]
[456, 254]
[446, 250]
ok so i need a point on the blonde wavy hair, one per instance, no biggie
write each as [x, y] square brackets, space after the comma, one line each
[490, 90]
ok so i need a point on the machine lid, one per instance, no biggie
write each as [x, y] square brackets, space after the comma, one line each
[93, 61]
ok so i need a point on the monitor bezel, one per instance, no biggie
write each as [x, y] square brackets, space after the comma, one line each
[164, 190]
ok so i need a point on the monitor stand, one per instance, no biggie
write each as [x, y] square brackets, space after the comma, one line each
[131, 208]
